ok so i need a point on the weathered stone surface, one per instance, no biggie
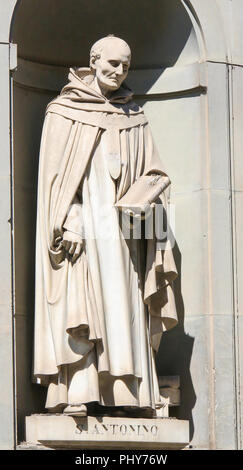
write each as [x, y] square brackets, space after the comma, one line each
[58, 431]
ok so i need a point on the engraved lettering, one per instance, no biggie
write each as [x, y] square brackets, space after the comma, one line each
[154, 430]
[79, 429]
[96, 430]
[113, 426]
[123, 429]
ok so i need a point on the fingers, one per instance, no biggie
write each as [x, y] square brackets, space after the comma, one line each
[77, 252]
[69, 246]
[73, 249]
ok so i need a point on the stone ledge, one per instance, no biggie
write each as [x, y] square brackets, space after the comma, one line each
[26, 446]
[65, 432]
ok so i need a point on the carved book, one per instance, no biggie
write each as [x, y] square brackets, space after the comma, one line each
[143, 193]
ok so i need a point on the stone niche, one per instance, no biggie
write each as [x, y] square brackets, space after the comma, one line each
[168, 80]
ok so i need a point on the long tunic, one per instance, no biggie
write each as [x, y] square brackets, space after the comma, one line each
[111, 281]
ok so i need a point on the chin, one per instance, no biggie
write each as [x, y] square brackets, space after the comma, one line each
[112, 85]
[115, 87]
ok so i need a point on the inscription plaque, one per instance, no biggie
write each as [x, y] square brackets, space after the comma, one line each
[66, 432]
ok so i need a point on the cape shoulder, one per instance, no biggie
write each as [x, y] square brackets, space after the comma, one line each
[102, 115]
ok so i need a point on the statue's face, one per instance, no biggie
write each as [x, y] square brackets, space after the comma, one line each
[112, 67]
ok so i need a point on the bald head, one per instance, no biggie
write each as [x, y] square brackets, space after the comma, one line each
[107, 43]
[110, 61]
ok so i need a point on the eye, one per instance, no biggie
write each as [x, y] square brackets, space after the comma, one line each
[114, 63]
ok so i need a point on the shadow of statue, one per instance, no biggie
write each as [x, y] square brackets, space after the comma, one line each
[175, 352]
[156, 33]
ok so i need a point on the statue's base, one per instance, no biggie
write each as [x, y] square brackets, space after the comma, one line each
[65, 432]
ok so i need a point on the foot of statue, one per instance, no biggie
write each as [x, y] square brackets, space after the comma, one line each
[75, 410]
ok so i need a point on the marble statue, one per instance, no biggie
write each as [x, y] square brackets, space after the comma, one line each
[102, 299]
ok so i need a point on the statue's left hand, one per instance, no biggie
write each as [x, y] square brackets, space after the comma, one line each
[73, 244]
[141, 213]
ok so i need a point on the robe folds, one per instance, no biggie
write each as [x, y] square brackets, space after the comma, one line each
[99, 320]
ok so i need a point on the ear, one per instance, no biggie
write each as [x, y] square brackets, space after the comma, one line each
[92, 63]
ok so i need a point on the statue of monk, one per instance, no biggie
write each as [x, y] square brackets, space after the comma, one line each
[102, 299]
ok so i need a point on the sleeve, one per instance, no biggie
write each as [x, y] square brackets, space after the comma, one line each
[74, 221]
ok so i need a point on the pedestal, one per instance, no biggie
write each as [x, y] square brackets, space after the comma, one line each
[65, 432]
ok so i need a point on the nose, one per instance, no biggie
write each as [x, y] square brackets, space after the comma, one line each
[119, 70]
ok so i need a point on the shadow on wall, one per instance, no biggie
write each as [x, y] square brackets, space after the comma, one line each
[175, 352]
[60, 32]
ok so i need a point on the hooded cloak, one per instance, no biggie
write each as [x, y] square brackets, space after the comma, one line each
[98, 320]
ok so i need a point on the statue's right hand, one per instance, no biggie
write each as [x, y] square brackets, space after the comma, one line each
[73, 244]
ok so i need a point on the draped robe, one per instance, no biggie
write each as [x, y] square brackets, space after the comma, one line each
[98, 321]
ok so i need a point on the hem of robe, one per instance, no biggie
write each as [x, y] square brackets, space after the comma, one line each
[61, 406]
[81, 383]
[53, 402]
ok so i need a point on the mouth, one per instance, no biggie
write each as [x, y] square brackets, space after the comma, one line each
[114, 81]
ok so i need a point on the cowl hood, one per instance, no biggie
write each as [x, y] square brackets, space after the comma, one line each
[78, 94]
[79, 89]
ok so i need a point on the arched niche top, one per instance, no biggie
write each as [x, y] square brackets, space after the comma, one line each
[211, 30]
[158, 31]
[207, 17]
